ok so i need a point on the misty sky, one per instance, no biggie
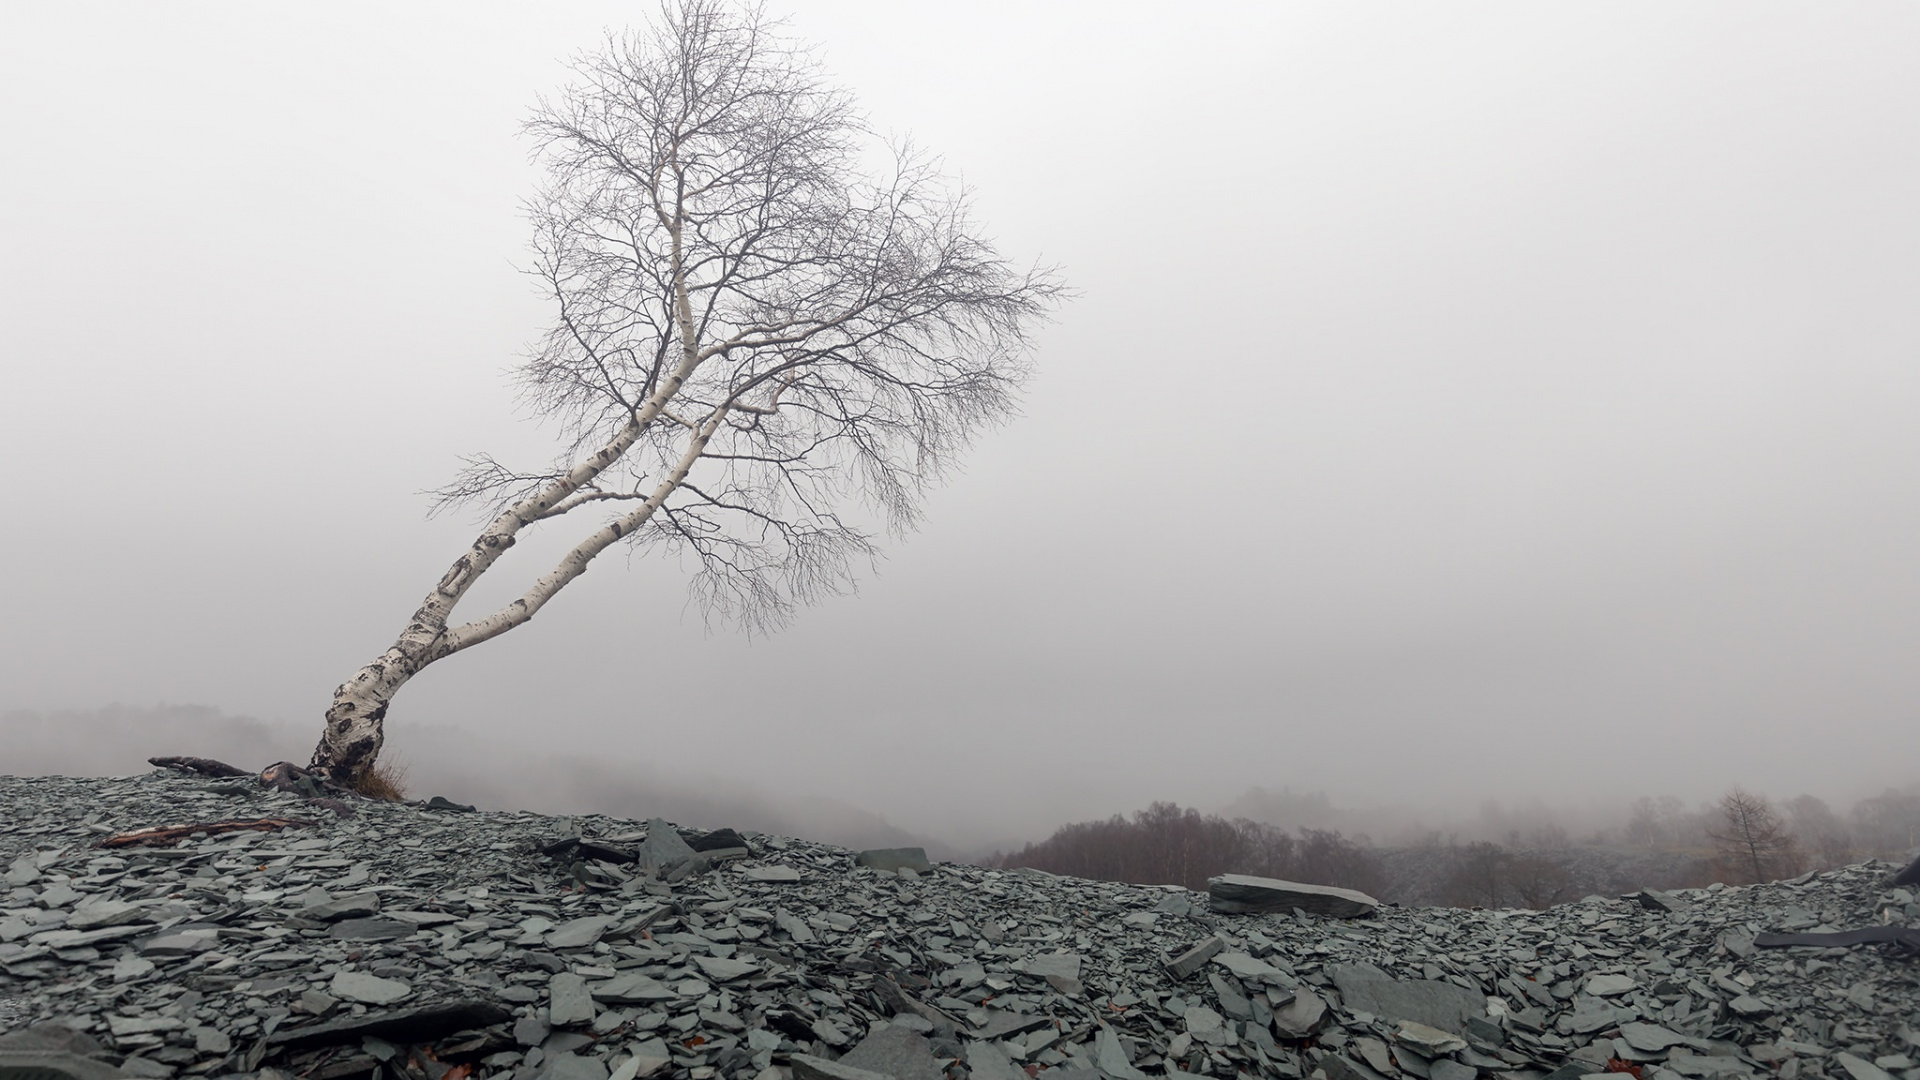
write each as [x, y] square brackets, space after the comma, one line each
[1463, 401]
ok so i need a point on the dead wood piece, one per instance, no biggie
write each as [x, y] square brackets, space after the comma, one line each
[199, 766]
[419, 1024]
[170, 834]
[1907, 939]
[1909, 876]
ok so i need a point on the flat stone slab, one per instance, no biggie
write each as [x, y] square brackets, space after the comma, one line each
[367, 989]
[896, 1052]
[1430, 1002]
[893, 860]
[808, 1067]
[772, 874]
[1244, 894]
[418, 1024]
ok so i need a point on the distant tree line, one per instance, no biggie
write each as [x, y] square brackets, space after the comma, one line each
[1167, 845]
[1741, 839]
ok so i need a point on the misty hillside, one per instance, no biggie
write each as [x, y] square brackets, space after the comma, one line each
[118, 740]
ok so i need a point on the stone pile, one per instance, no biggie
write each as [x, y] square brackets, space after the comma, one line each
[443, 944]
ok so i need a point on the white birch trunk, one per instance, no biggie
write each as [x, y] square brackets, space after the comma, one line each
[355, 721]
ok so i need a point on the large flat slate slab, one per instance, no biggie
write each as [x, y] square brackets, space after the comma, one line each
[1242, 893]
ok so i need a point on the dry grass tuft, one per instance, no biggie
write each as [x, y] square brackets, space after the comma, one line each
[386, 781]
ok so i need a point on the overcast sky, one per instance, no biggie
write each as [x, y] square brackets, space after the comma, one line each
[1462, 401]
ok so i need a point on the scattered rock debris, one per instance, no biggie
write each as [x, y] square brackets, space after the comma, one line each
[437, 942]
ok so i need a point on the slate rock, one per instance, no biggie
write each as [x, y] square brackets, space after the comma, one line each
[1110, 1057]
[1650, 1038]
[579, 933]
[724, 969]
[1301, 1017]
[379, 929]
[568, 1001]
[367, 989]
[772, 874]
[987, 1061]
[1859, 1068]
[1194, 957]
[357, 906]
[104, 914]
[53, 1051]
[631, 989]
[893, 860]
[418, 1024]
[1428, 1041]
[1424, 1001]
[1449, 1069]
[1610, 985]
[808, 1067]
[1341, 1067]
[1248, 968]
[571, 1066]
[1242, 893]
[663, 848]
[441, 802]
[896, 1052]
[719, 840]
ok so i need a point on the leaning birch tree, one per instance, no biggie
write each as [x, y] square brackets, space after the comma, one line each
[770, 329]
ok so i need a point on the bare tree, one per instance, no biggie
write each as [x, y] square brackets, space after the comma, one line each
[1821, 833]
[1752, 841]
[1479, 876]
[1539, 880]
[758, 347]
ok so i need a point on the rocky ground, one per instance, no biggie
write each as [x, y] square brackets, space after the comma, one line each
[443, 944]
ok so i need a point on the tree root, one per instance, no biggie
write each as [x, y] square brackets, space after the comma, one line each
[170, 834]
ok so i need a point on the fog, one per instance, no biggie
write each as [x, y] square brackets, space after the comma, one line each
[1468, 403]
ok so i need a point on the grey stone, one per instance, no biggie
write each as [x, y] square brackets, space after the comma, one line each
[570, 1066]
[370, 930]
[1341, 1067]
[1246, 967]
[1110, 1057]
[359, 905]
[663, 849]
[632, 988]
[531, 1030]
[1301, 1017]
[796, 927]
[106, 913]
[987, 1061]
[1859, 1067]
[1425, 1001]
[808, 1067]
[1429, 1041]
[891, 860]
[184, 943]
[1065, 965]
[579, 933]
[649, 1057]
[1242, 893]
[1374, 1053]
[896, 1052]
[367, 989]
[1591, 1014]
[1449, 1069]
[723, 969]
[568, 1001]
[1610, 985]
[771, 874]
[1194, 957]
[1650, 1037]
[1749, 1007]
